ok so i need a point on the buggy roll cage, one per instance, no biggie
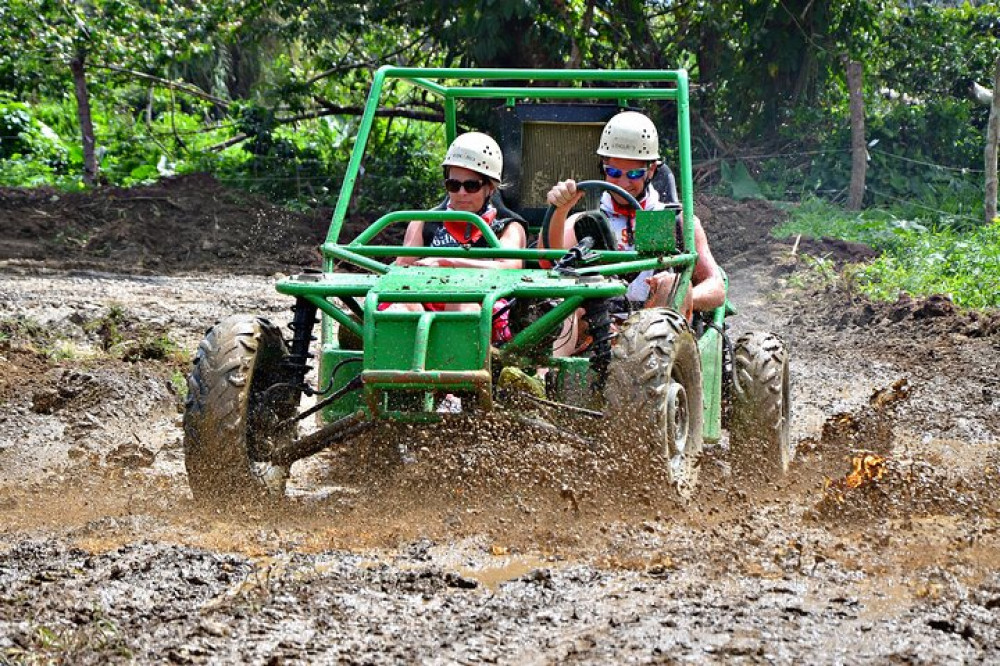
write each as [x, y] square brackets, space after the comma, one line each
[414, 351]
[670, 85]
[655, 242]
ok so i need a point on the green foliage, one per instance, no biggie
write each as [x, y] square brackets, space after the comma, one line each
[22, 134]
[816, 273]
[122, 336]
[920, 256]
[93, 637]
[403, 171]
[963, 265]
[769, 80]
[179, 385]
[817, 218]
[932, 51]
[738, 183]
[31, 153]
[24, 330]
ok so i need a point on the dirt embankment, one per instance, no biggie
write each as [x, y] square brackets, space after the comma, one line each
[498, 545]
[187, 223]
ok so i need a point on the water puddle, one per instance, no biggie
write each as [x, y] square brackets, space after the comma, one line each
[492, 576]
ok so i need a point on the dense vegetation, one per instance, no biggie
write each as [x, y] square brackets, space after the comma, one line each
[922, 254]
[265, 95]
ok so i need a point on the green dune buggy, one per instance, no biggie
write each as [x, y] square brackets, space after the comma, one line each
[681, 382]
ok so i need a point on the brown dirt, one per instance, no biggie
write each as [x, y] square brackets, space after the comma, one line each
[186, 223]
[885, 531]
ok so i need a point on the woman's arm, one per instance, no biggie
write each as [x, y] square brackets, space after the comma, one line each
[414, 238]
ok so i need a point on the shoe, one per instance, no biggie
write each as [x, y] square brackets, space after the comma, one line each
[518, 380]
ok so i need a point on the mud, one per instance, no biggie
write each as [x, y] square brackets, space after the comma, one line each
[488, 542]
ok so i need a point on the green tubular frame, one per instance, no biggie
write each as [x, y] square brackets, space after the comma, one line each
[376, 286]
[677, 80]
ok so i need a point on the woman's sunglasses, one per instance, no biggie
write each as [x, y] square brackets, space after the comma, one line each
[471, 186]
[631, 174]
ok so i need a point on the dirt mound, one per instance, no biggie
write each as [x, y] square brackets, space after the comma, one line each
[738, 231]
[835, 249]
[927, 315]
[180, 224]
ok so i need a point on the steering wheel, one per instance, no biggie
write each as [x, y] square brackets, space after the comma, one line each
[587, 186]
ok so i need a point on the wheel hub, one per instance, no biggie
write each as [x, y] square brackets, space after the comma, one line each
[677, 420]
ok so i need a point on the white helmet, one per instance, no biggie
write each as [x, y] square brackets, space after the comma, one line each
[475, 151]
[630, 136]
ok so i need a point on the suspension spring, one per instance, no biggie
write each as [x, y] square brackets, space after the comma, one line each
[303, 321]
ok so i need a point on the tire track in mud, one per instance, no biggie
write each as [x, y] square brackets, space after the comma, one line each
[467, 553]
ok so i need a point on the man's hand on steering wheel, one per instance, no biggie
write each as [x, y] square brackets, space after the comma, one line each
[564, 194]
[571, 191]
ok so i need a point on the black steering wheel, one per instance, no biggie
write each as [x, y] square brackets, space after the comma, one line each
[588, 186]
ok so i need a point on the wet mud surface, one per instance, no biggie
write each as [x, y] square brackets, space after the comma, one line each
[495, 543]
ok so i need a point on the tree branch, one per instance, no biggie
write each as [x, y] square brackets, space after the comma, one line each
[713, 135]
[982, 95]
[337, 111]
[992, 147]
[176, 85]
[370, 63]
[334, 110]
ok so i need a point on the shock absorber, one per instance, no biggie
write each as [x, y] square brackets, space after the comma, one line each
[728, 376]
[297, 362]
[597, 313]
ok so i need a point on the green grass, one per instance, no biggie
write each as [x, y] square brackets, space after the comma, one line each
[963, 265]
[178, 380]
[817, 218]
[919, 256]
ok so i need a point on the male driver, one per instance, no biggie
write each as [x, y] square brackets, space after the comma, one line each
[629, 152]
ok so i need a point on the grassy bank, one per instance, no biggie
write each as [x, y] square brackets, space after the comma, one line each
[920, 256]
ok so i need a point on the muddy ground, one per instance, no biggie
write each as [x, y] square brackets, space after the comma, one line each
[497, 546]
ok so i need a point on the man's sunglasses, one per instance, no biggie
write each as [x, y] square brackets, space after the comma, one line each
[471, 186]
[631, 174]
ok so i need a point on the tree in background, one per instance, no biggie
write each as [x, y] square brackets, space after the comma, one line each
[58, 37]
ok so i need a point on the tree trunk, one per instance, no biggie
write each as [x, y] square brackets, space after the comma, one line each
[86, 122]
[992, 137]
[859, 152]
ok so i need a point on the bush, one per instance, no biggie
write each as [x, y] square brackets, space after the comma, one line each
[922, 256]
[25, 138]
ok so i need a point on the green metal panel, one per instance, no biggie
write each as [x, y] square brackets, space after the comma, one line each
[336, 368]
[572, 378]
[654, 231]
[419, 341]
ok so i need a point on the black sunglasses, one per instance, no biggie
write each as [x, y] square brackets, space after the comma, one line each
[471, 186]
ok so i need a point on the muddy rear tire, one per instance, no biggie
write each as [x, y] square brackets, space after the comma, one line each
[759, 431]
[655, 384]
[230, 419]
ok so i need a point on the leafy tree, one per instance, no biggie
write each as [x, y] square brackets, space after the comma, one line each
[59, 37]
